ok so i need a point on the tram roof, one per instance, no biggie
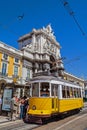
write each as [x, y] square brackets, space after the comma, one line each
[44, 78]
[51, 78]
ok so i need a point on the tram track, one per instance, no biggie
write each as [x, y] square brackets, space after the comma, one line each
[20, 125]
[63, 124]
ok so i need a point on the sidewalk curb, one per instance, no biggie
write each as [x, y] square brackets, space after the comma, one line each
[5, 119]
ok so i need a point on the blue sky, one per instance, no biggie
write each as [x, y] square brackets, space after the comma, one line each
[39, 13]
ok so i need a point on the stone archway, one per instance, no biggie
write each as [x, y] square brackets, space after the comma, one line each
[2, 85]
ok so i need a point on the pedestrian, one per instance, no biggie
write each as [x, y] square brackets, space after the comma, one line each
[26, 103]
[22, 101]
[26, 110]
[19, 103]
[0, 105]
[13, 108]
[16, 105]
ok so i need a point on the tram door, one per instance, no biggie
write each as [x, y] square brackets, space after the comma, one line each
[55, 97]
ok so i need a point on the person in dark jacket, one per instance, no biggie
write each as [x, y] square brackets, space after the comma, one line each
[26, 104]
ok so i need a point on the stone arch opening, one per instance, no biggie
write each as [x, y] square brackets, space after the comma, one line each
[2, 86]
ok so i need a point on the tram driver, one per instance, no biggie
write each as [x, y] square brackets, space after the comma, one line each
[44, 92]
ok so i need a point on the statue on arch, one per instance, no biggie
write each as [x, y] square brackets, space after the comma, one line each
[48, 29]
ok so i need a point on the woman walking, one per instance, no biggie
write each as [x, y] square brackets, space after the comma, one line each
[22, 108]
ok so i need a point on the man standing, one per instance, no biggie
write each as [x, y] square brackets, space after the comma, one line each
[13, 106]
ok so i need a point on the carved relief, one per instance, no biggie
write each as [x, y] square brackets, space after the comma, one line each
[49, 31]
[45, 47]
[29, 46]
[49, 48]
[36, 47]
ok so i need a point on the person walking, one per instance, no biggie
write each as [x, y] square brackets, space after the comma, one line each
[22, 108]
[13, 108]
[26, 109]
[26, 103]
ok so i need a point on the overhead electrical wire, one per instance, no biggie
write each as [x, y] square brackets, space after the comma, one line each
[6, 27]
[71, 12]
[82, 56]
[72, 60]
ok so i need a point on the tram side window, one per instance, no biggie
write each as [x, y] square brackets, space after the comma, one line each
[35, 90]
[71, 92]
[54, 90]
[68, 92]
[44, 90]
[64, 91]
[79, 92]
[75, 92]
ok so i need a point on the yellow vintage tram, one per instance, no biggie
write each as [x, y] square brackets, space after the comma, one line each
[51, 96]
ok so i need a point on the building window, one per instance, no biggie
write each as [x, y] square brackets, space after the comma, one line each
[64, 91]
[28, 73]
[16, 60]
[5, 56]
[15, 70]
[4, 68]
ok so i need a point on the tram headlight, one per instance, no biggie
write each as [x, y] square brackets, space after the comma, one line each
[33, 107]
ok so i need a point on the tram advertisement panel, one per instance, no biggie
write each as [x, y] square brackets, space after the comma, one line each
[6, 99]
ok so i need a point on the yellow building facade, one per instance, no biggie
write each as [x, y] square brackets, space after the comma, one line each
[73, 78]
[10, 66]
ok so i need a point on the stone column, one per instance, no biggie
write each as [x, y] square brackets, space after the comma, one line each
[60, 91]
[36, 67]
[33, 41]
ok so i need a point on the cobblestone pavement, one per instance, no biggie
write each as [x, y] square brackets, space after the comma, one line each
[5, 124]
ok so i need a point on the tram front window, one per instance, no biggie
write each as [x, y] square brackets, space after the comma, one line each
[44, 90]
[35, 89]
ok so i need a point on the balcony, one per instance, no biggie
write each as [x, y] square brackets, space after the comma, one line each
[3, 74]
